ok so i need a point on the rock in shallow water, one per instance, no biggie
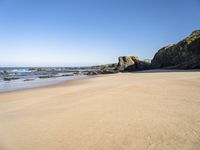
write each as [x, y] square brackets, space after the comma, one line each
[10, 78]
[28, 79]
[47, 76]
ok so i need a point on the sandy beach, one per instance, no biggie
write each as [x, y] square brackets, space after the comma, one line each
[124, 111]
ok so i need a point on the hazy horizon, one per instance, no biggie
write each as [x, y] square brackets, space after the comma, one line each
[91, 32]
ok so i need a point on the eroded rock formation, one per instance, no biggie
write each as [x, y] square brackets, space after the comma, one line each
[183, 55]
[131, 63]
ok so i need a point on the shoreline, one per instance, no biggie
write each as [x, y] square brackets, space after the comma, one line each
[42, 83]
[100, 75]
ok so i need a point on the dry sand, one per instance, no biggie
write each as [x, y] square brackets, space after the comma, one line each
[130, 111]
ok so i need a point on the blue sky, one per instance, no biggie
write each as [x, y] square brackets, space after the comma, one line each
[89, 32]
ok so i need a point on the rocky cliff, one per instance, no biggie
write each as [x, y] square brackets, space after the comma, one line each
[183, 55]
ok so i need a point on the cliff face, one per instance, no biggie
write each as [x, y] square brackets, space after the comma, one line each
[183, 55]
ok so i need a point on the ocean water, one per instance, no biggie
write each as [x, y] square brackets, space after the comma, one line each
[17, 78]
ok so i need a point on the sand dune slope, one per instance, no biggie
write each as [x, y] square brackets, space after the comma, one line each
[130, 111]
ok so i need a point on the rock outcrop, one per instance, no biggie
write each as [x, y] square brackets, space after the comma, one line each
[127, 62]
[183, 55]
[103, 69]
[131, 63]
[10, 78]
[108, 69]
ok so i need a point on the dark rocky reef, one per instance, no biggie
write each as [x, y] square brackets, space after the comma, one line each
[4, 72]
[28, 79]
[47, 76]
[10, 78]
[183, 55]
[103, 69]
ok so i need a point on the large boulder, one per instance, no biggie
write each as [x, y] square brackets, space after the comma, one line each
[127, 62]
[183, 55]
[131, 63]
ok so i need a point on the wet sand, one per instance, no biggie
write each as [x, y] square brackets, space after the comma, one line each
[129, 111]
